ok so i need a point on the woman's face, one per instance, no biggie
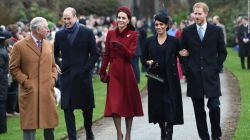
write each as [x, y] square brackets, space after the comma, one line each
[122, 20]
[160, 27]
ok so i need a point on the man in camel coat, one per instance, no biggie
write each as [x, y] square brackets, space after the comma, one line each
[32, 65]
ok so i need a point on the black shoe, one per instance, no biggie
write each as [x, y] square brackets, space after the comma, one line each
[90, 135]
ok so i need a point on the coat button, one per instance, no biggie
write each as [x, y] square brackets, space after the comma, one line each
[174, 73]
[202, 68]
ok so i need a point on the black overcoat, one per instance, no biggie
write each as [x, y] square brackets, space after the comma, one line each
[4, 69]
[205, 60]
[244, 48]
[77, 63]
[164, 105]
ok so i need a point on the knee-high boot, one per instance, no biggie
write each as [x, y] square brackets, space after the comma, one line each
[163, 130]
[169, 131]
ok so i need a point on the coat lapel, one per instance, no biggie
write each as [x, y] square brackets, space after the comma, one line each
[195, 33]
[207, 32]
[32, 45]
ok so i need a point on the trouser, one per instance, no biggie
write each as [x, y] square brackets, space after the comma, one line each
[3, 119]
[242, 60]
[11, 103]
[200, 116]
[30, 134]
[70, 121]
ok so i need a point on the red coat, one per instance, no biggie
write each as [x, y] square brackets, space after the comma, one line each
[123, 96]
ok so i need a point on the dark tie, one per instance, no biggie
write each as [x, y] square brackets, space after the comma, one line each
[39, 45]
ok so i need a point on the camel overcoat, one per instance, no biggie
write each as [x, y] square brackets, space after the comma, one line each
[36, 73]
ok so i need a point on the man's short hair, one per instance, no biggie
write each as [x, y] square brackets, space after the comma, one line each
[201, 5]
[71, 9]
[37, 22]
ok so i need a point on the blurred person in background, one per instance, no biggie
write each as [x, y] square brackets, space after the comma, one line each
[244, 45]
[4, 69]
[12, 99]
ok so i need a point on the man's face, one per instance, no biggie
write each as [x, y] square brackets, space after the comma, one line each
[69, 19]
[200, 16]
[43, 31]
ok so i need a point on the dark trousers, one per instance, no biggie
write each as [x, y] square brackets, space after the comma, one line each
[135, 65]
[242, 60]
[11, 103]
[200, 116]
[30, 134]
[70, 121]
[3, 119]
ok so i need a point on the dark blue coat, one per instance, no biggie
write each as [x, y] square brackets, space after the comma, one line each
[78, 60]
[205, 60]
[4, 69]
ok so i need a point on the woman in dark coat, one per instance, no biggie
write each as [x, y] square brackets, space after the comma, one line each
[164, 97]
[123, 97]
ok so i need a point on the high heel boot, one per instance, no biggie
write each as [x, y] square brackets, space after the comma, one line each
[163, 131]
[169, 131]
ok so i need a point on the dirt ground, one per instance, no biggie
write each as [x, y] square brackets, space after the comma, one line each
[229, 127]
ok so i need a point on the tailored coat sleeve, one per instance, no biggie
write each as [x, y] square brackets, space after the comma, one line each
[93, 52]
[222, 52]
[15, 64]
[57, 51]
[106, 55]
[145, 53]
[183, 45]
[129, 51]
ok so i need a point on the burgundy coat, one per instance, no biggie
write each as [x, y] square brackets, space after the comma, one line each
[123, 96]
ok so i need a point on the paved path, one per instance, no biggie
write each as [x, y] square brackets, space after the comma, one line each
[142, 130]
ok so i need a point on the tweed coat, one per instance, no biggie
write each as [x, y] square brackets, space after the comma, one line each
[36, 73]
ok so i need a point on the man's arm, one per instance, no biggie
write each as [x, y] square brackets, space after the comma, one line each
[94, 55]
[222, 52]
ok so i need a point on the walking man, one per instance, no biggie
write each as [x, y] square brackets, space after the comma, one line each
[77, 46]
[205, 52]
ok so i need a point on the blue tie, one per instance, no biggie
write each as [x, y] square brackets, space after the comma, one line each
[39, 44]
[200, 33]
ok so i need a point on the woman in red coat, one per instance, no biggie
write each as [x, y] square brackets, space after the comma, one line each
[123, 96]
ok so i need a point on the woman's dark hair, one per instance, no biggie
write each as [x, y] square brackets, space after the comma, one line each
[162, 18]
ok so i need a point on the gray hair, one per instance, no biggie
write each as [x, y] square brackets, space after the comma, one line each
[37, 22]
[71, 9]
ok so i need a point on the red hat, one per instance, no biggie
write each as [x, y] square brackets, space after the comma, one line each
[124, 9]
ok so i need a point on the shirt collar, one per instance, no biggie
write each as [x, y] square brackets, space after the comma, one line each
[34, 38]
[204, 26]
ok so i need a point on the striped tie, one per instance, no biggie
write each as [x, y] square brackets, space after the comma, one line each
[39, 45]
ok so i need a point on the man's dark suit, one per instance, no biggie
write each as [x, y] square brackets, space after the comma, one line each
[202, 66]
[244, 48]
[78, 59]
